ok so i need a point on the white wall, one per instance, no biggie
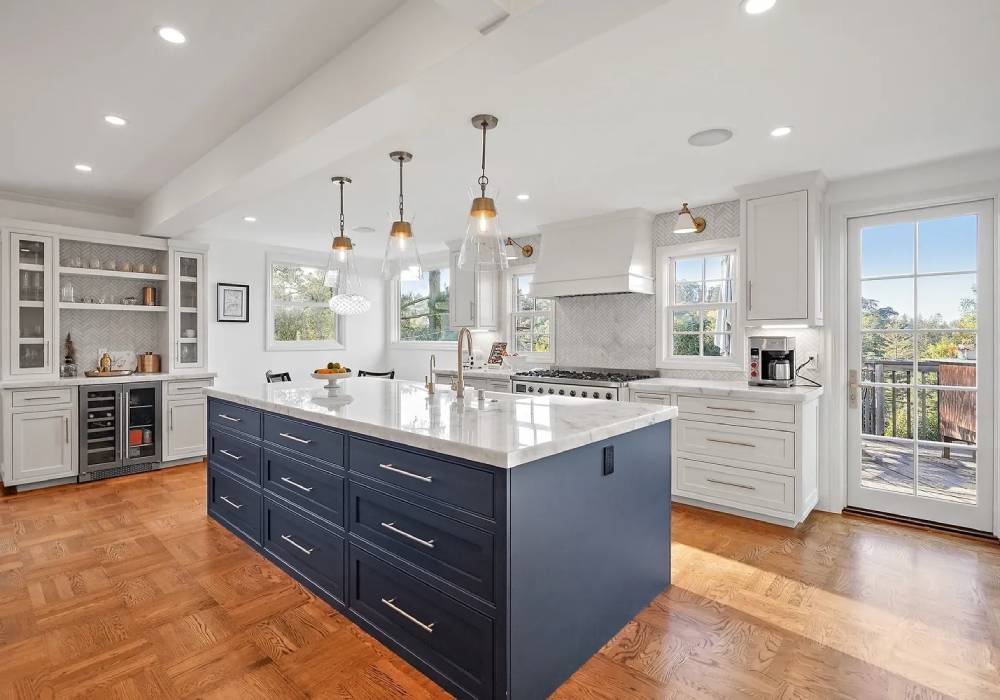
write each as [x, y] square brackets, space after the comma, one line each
[237, 350]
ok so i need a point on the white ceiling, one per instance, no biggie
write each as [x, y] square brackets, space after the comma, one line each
[868, 86]
[67, 63]
[598, 122]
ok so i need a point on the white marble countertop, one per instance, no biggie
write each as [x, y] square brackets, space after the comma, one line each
[125, 379]
[511, 429]
[734, 389]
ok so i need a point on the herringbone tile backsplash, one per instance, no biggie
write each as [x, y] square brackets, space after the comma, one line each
[619, 330]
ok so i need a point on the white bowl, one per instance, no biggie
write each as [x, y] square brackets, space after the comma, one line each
[333, 381]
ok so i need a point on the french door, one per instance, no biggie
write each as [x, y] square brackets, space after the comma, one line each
[921, 364]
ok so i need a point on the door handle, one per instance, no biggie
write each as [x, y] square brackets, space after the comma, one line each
[389, 467]
[427, 627]
[230, 455]
[749, 294]
[230, 418]
[295, 544]
[296, 484]
[730, 442]
[288, 436]
[732, 483]
[852, 388]
[391, 527]
[171, 412]
[237, 506]
[67, 429]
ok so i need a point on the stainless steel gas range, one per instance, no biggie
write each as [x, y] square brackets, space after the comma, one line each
[607, 384]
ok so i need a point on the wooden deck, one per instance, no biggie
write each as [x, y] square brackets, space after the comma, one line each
[125, 589]
[889, 467]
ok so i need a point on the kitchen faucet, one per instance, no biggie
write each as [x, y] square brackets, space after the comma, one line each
[459, 384]
[429, 379]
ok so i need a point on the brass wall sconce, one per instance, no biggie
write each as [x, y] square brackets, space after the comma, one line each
[527, 250]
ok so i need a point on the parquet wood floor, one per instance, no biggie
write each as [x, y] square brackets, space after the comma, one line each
[125, 589]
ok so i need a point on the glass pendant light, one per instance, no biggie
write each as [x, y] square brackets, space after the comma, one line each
[483, 247]
[342, 272]
[401, 257]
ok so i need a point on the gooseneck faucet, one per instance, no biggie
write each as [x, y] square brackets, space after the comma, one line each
[429, 379]
[459, 385]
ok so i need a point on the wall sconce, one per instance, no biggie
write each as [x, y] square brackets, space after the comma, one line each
[527, 250]
[687, 222]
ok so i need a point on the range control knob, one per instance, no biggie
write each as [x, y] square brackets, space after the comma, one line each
[753, 373]
[608, 396]
[552, 391]
[562, 392]
[531, 389]
[572, 393]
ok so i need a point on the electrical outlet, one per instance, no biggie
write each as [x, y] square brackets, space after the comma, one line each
[814, 365]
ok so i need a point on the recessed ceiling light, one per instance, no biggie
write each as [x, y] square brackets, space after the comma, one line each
[780, 131]
[174, 36]
[710, 137]
[115, 120]
[83, 167]
[362, 229]
[524, 196]
[756, 7]
[250, 219]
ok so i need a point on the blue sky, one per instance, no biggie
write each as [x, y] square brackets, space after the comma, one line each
[942, 245]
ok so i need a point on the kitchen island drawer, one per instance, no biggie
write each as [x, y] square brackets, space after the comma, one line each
[236, 454]
[306, 547]
[450, 482]
[316, 490]
[236, 503]
[451, 637]
[737, 408]
[736, 487]
[309, 439]
[234, 417]
[769, 448]
[457, 552]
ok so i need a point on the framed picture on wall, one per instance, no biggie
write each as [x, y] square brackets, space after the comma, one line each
[234, 303]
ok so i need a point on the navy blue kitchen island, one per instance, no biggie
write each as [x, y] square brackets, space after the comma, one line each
[497, 576]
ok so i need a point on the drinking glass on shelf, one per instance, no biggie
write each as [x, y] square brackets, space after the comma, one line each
[95, 264]
[126, 267]
[140, 267]
[110, 265]
[154, 269]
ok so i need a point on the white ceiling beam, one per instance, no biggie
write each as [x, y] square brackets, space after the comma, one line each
[483, 15]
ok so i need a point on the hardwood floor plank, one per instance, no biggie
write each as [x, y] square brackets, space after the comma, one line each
[125, 589]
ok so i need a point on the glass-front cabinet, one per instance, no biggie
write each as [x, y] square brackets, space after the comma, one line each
[188, 310]
[31, 304]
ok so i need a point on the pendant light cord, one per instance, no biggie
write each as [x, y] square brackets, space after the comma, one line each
[341, 208]
[483, 180]
[400, 189]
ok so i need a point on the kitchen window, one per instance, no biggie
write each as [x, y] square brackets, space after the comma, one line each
[298, 311]
[531, 318]
[420, 309]
[698, 319]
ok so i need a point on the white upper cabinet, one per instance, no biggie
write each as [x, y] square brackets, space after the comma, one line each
[473, 297]
[783, 255]
[31, 304]
[187, 310]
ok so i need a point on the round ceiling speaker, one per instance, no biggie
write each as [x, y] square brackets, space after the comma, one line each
[710, 137]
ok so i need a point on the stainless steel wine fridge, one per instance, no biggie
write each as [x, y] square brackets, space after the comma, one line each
[120, 429]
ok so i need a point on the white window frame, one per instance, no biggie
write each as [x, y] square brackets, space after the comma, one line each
[428, 263]
[665, 256]
[272, 345]
[509, 311]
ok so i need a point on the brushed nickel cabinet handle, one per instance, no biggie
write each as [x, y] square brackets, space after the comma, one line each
[230, 455]
[41, 398]
[427, 627]
[392, 527]
[287, 436]
[297, 485]
[67, 429]
[230, 418]
[732, 483]
[397, 470]
[730, 408]
[730, 442]
[295, 544]
[237, 506]
[749, 295]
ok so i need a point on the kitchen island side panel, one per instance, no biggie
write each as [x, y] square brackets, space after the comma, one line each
[587, 552]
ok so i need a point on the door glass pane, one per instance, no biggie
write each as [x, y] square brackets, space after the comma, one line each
[189, 267]
[947, 245]
[958, 346]
[887, 250]
[947, 301]
[31, 355]
[30, 252]
[887, 304]
[189, 353]
[887, 462]
[32, 322]
[31, 285]
[189, 294]
[947, 471]
[887, 357]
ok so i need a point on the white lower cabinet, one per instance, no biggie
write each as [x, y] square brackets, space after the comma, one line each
[185, 410]
[40, 441]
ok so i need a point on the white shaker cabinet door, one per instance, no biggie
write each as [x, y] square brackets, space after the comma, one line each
[42, 445]
[186, 421]
[777, 257]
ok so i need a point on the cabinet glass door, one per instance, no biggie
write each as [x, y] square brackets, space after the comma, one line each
[31, 280]
[188, 319]
[142, 429]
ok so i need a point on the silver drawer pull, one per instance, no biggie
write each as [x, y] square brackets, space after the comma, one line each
[730, 408]
[391, 468]
[730, 442]
[43, 398]
[230, 455]
[422, 625]
[732, 483]
[297, 485]
[296, 439]
[230, 418]
[392, 527]
[237, 506]
[295, 544]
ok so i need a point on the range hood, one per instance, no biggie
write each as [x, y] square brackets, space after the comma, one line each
[607, 254]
